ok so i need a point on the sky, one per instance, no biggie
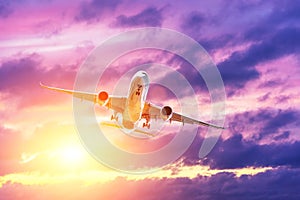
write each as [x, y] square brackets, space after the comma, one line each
[255, 46]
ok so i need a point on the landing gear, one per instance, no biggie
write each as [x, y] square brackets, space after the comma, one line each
[114, 117]
[146, 125]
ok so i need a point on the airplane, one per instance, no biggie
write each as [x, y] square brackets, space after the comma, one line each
[130, 109]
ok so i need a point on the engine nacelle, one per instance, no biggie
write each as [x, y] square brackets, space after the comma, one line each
[102, 98]
[166, 113]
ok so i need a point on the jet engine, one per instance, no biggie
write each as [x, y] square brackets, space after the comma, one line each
[102, 98]
[166, 113]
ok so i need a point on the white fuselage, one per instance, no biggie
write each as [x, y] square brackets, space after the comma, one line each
[137, 94]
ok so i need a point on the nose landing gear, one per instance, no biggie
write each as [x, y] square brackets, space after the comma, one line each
[114, 117]
[146, 125]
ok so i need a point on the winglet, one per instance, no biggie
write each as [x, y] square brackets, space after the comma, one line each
[45, 86]
[42, 85]
[218, 127]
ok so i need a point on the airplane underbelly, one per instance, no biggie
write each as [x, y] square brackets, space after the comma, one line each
[134, 107]
[128, 124]
[134, 111]
[130, 117]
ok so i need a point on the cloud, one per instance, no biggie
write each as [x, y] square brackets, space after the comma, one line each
[271, 83]
[193, 23]
[264, 123]
[48, 28]
[283, 14]
[243, 147]
[96, 9]
[237, 153]
[5, 8]
[11, 144]
[264, 97]
[220, 186]
[284, 135]
[20, 78]
[148, 17]
[270, 31]
[218, 42]
[239, 68]
[281, 119]
[190, 73]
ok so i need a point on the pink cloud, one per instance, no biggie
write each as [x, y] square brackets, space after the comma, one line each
[20, 80]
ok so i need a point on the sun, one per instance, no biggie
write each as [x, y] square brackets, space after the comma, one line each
[72, 154]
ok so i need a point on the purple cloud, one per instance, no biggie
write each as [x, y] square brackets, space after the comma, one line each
[95, 9]
[271, 83]
[193, 22]
[282, 99]
[282, 136]
[191, 74]
[20, 78]
[218, 42]
[5, 8]
[239, 68]
[263, 123]
[150, 16]
[283, 14]
[244, 151]
[273, 35]
[264, 97]
[281, 119]
[235, 152]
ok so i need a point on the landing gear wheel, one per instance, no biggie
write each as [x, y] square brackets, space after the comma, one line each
[146, 125]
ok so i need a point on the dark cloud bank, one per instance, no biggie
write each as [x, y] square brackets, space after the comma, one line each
[273, 35]
[274, 184]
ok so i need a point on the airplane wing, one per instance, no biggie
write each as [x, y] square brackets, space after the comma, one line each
[81, 95]
[114, 103]
[153, 111]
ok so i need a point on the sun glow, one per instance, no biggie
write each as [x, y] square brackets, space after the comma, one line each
[72, 155]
